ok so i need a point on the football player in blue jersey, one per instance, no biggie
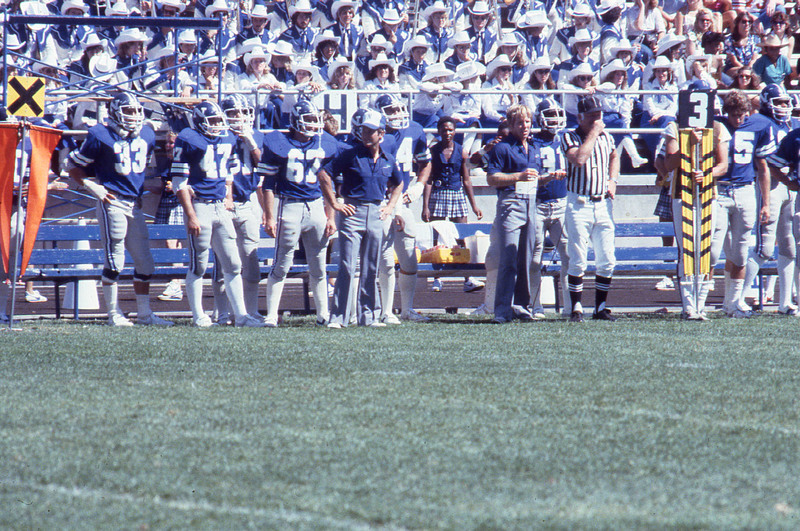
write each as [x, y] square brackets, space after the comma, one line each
[407, 143]
[551, 198]
[735, 206]
[202, 177]
[289, 165]
[775, 117]
[246, 208]
[117, 155]
[368, 173]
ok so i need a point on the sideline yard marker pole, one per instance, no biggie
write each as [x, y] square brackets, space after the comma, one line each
[13, 263]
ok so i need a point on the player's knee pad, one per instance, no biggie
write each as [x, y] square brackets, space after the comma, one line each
[109, 275]
[139, 277]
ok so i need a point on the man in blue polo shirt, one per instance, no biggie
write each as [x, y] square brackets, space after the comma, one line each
[514, 170]
[367, 172]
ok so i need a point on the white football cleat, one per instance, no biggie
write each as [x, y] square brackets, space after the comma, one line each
[414, 315]
[34, 296]
[248, 321]
[665, 284]
[390, 319]
[376, 324]
[153, 320]
[437, 285]
[117, 319]
[471, 285]
[204, 321]
[172, 292]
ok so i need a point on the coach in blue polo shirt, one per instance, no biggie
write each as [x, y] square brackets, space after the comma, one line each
[367, 173]
[514, 169]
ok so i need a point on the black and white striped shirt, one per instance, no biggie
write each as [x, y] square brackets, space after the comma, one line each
[591, 178]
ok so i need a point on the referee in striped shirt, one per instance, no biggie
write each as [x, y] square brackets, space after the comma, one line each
[592, 170]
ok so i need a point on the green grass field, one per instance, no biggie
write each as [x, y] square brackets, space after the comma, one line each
[645, 423]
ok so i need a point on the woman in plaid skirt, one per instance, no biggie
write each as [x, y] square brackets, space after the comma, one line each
[449, 187]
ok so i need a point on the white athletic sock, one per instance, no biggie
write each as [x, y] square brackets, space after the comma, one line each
[387, 282]
[194, 293]
[737, 285]
[408, 285]
[786, 278]
[220, 297]
[754, 263]
[110, 296]
[705, 289]
[235, 289]
[490, 289]
[274, 292]
[769, 286]
[726, 301]
[143, 305]
[319, 288]
[687, 294]
[251, 297]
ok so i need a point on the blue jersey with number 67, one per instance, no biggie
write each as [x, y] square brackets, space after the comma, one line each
[118, 162]
[205, 163]
[290, 166]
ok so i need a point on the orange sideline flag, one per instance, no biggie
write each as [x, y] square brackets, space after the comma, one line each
[43, 142]
[9, 138]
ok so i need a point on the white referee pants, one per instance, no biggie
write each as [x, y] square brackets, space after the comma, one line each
[593, 222]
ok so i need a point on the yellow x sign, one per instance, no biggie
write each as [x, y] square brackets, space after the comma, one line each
[26, 96]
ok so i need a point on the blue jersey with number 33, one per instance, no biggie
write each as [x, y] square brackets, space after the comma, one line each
[290, 166]
[118, 162]
[205, 162]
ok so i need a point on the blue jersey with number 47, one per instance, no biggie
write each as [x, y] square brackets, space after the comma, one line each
[118, 162]
[205, 162]
[407, 146]
[290, 166]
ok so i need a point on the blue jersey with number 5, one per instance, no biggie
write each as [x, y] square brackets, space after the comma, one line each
[749, 141]
[551, 156]
[290, 166]
[118, 162]
[407, 146]
[204, 162]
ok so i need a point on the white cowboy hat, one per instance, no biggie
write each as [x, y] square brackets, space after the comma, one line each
[74, 4]
[437, 7]
[437, 70]
[131, 35]
[12, 41]
[692, 59]
[256, 53]
[616, 65]
[469, 70]
[582, 35]
[668, 41]
[417, 42]
[118, 9]
[187, 37]
[166, 51]
[382, 59]
[259, 11]
[306, 66]
[662, 62]
[281, 48]
[337, 63]
[541, 63]
[391, 16]
[607, 5]
[582, 10]
[582, 69]
[338, 4]
[533, 19]
[462, 37]
[301, 6]
[218, 6]
[480, 7]
[772, 41]
[380, 40]
[509, 38]
[325, 35]
[101, 65]
[209, 58]
[177, 4]
[623, 45]
[497, 62]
